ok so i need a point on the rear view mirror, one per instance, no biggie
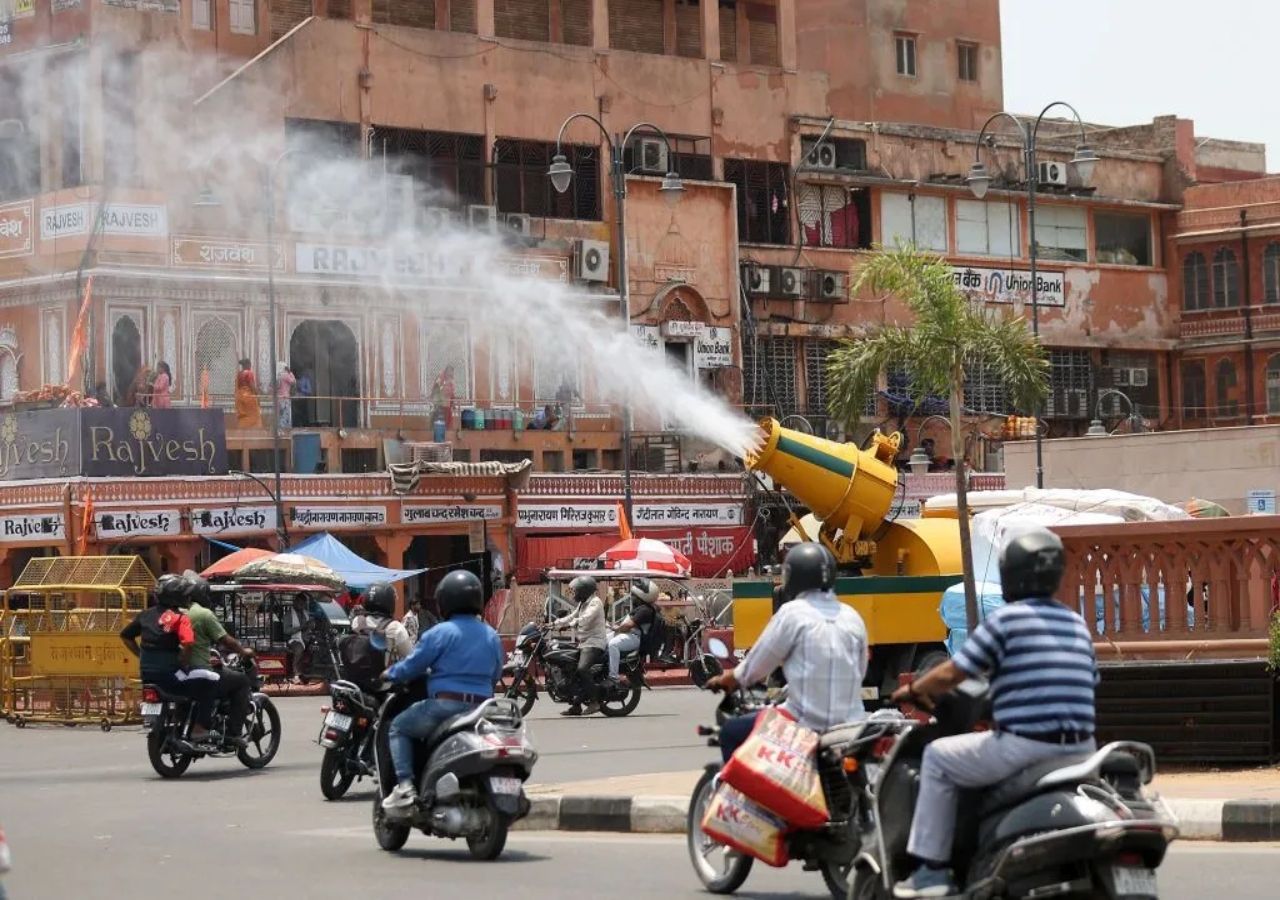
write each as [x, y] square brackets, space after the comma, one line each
[718, 648]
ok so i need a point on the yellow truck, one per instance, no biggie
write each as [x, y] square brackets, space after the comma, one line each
[893, 571]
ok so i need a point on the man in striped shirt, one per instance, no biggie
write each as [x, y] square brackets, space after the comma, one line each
[1038, 655]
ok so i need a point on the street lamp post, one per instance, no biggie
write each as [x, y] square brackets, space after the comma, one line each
[281, 533]
[979, 181]
[561, 173]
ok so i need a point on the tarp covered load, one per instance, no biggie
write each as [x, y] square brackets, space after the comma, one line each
[404, 478]
[1127, 507]
[354, 570]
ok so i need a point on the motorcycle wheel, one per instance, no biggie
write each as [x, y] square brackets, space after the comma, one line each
[728, 873]
[615, 709]
[166, 763]
[335, 775]
[867, 885]
[488, 846]
[525, 692]
[264, 735]
[390, 835]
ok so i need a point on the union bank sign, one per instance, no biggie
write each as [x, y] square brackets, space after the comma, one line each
[109, 443]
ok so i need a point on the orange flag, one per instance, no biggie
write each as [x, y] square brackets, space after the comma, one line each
[86, 520]
[80, 337]
[204, 388]
[624, 527]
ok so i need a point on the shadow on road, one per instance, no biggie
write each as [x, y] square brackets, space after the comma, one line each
[463, 857]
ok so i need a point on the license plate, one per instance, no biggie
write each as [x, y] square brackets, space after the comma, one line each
[337, 720]
[150, 709]
[504, 785]
[1131, 881]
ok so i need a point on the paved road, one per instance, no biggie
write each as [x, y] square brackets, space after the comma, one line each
[85, 814]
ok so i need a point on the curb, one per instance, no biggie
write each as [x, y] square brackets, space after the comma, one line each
[1198, 820]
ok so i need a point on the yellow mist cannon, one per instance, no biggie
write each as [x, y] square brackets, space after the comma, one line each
[850, 490]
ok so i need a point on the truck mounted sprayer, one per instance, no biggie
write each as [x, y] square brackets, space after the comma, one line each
[892, 571]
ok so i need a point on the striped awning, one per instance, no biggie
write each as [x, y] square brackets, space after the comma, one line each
[404, 478]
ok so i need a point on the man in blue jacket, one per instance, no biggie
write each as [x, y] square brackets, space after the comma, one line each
[464, 658]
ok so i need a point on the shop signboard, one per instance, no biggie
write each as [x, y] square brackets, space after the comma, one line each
[228, 520]
[117, 442]
[34, 528]
[714, 349]
[331, 517]
[662, 515]
[119, 524]
[567, 516]
[15, 218]
[445, 513]
[1008, 285]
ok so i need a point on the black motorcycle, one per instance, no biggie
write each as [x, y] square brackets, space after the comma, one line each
[347, 737]
[843, 755]
[167, 719]
[1078, 826]
[539, 651]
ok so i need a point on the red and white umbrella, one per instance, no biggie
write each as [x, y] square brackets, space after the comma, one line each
[642, 554]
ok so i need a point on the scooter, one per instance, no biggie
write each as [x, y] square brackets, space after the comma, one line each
[1078, 826]
[470, 776]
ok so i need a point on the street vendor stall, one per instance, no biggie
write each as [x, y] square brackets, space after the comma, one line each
[61, 659]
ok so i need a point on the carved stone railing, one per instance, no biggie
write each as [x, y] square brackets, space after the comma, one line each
[1203, 587]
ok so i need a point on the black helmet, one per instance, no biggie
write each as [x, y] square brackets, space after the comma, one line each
[197, 588]
[582, 588]
[380, 599]
[460, 593]
[172, 591]
[1032, 565]
[808, 567]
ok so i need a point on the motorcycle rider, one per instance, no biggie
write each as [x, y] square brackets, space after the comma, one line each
[1038, 655]
[464, 656]
[164, 658]
[820, 643]
[589, 632]
[631, 631]
[230, 684]
[378, 620]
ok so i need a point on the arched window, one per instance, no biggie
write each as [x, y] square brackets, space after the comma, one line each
[1224, 386]
[216, 354]
[1226, 278]
[1273, 385]
[1195, 282]
[1193, 395]
[1271, 273]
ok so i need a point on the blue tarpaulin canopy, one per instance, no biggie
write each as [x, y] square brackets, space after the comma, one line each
[357, 572]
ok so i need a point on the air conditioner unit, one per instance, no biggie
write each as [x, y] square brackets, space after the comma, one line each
[1138, 377]
[1053, 173]
[591, 261]
[483, 218]
[790, 283]
[649, 155]
[757, 279]
[518, 223]
[819, 155]
[829, 286]
[436, 218]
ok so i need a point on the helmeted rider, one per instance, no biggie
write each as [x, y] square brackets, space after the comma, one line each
[230, 684]
[464, 656]
[379, 622]
[631, 631]
[1038, 655]
[164, 657]
[820, 643]
[590, 632]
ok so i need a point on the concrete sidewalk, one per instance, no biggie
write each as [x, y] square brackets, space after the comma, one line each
[1221, 805]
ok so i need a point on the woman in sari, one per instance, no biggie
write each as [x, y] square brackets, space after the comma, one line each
[248, 412]
[162, 387]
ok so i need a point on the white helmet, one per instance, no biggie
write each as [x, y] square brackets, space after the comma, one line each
[644, 590]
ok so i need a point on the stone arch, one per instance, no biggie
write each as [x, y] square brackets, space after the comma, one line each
[681, 303]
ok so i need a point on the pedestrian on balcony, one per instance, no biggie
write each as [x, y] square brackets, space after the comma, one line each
[284, 395]
[248, 410]
[162, 387]
[443, 393]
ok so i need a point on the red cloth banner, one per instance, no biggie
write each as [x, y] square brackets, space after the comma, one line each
[714, 552]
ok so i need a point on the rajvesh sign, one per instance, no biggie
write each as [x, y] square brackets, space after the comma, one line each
[1008, 285]
[233, 520]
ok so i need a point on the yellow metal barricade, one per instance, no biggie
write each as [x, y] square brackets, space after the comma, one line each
[61, 658]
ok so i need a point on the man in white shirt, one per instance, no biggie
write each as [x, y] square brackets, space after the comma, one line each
[590, 632]
[820, 643]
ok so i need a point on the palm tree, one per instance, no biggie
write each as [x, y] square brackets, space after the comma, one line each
[949, 336]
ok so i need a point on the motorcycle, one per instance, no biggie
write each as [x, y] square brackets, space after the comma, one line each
[470, 777]
[167, 719]
[1078, 826]
[845, 776]
[347, 737]
[539, 650]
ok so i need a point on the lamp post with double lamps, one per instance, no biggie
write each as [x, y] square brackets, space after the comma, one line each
[672, 188]
[979, 181]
